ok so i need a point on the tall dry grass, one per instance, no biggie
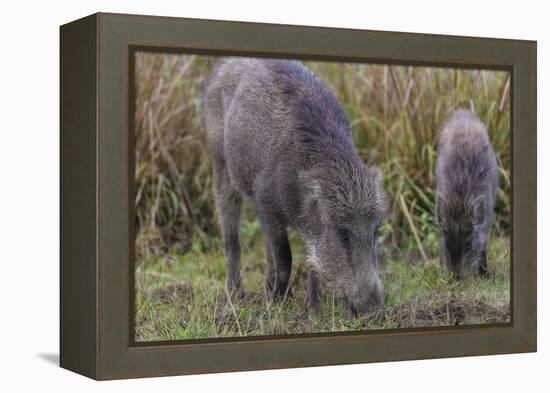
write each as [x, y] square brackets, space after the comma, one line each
[173, 200]
[395, 114]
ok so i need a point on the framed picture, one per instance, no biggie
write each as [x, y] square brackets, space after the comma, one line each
[242, 196]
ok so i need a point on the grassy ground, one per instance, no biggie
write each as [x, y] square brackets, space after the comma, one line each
[395, 114]
[183, 297]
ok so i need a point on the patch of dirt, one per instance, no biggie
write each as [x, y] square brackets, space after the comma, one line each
[447, 314]
[453, 313]
[174, 292]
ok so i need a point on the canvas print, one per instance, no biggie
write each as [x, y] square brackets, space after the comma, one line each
[287, 197]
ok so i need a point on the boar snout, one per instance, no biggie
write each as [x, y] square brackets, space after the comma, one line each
[467, 265]
[370, 297]
[373, 302]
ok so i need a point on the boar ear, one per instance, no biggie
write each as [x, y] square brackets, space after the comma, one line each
[311, 186]
[382, 196]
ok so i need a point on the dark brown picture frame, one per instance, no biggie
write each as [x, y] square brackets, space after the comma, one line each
[97, 196]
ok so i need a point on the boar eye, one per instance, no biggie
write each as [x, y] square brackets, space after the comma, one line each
[343, 236]
[377, 231]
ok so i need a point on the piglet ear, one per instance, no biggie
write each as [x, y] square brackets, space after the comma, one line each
[377, 175]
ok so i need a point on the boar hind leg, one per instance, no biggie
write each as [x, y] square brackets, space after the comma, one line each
[279, 259]
[483, 264]
[271, 272]
[228, 204]
[313, 294]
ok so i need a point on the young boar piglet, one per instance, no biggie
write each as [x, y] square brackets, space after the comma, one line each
[467, 182]
[280, 137]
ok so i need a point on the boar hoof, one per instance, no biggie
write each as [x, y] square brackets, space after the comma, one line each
[236, 294]
[483, 271]
[312, 303]
[483, 265]
[280, 291]
[280, 294]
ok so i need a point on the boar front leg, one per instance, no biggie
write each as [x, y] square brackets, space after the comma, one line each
[279, 258]
[483, 264]
[313, 294]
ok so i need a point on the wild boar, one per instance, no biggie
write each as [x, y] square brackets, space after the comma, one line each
[280, 137]
[467, 183]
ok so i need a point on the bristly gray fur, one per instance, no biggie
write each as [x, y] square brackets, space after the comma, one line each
[467, 182]
[280, 137]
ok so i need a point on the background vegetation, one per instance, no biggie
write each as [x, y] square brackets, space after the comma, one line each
[395, 114]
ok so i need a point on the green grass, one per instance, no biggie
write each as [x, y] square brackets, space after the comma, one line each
[183, 297]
